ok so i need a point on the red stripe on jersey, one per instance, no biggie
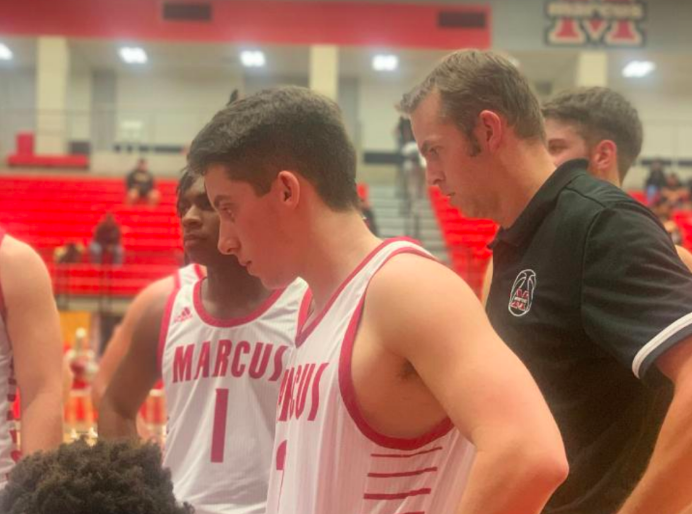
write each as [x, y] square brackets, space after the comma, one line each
[397, 496]
[231, 322]
[304, 334]
[405, 455]
[198, 271]
[165, 322]
[403, 473]
[303, 312]
[348, 392]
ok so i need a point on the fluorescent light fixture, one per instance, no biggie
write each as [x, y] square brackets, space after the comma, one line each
[5, 53]
[252, 58]
[133, 55]
[638, 69]
[385, 62]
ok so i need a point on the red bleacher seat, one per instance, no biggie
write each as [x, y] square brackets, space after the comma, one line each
[48, 212]
[467, 239]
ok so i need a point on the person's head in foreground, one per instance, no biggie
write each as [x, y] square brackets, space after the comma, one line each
[476, 121]
[276, 163]
[108, 478]
[597, 124]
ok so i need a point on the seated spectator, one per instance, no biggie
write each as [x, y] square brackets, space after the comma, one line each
[107, 240]
[674, 192]
[69, 253]
[113, 477]
[655, 181]
[140, 185]
[663, 209]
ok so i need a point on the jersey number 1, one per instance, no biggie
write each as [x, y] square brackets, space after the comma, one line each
[218, 438]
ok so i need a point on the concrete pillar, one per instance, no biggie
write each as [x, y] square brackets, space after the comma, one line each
[324, 70]
[52, 76]
[592, 69]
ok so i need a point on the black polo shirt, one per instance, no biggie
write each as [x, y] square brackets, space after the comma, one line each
[588, 291]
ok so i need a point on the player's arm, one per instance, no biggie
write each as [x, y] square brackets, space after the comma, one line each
[33, 326]
[134, 377]
[487, 280]
[119, 344]
[438, 325]
[685, 256]
[665, 486]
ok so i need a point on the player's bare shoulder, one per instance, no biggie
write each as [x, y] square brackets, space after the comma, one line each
[20, 266]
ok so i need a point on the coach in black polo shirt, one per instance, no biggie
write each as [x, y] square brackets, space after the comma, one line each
[588, 289]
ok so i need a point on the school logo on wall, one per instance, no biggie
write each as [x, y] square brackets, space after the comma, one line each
[521, 297]
[595, 22]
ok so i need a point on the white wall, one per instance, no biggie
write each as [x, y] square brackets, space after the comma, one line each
[377, 114]
[17, 104]
[171, 107]
[667, 122]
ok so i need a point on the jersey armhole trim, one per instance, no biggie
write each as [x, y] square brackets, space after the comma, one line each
[347, 388]
[661, 342]
[163, 333]
[304, 334]
[303, 313]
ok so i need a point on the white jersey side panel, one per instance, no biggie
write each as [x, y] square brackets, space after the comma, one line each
[8, 430]
[327, 458]
[221, 381]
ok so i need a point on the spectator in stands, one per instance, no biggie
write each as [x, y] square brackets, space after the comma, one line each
[140, 185]
[69, 253]
[107, 240]
[674, 192]
[664, 210]
[114, 477]
[655, 181]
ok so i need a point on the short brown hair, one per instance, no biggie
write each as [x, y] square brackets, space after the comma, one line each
[471, 81]
[600, 113]
[286, 128]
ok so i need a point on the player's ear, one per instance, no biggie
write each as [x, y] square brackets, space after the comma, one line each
[287, 188]
[489, 130]
[604, 158]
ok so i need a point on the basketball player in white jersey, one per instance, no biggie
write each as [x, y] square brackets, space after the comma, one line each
[400, 398]
[220, 345]
[119, 344]
[30, 354]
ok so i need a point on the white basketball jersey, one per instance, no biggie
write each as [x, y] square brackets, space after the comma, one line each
[188, 275]
[221, 380]
[327, 459]
[9, 451]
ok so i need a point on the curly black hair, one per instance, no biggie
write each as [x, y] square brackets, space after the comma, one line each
[112, 477]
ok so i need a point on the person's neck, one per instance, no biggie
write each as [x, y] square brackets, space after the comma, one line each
[336, 244]
[525, 169]
[229, 292]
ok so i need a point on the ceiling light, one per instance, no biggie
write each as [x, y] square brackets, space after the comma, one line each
[638, 69]
[5, 53]
[133, 55]
[385, 62]
[252, 58]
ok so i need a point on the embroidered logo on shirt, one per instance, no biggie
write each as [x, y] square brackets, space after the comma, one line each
[183, 316]
[521, 297]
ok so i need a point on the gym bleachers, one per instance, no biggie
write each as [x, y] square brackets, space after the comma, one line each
[467, 240]
[48, 212]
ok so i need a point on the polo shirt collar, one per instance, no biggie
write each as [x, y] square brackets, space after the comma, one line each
[541, 203]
